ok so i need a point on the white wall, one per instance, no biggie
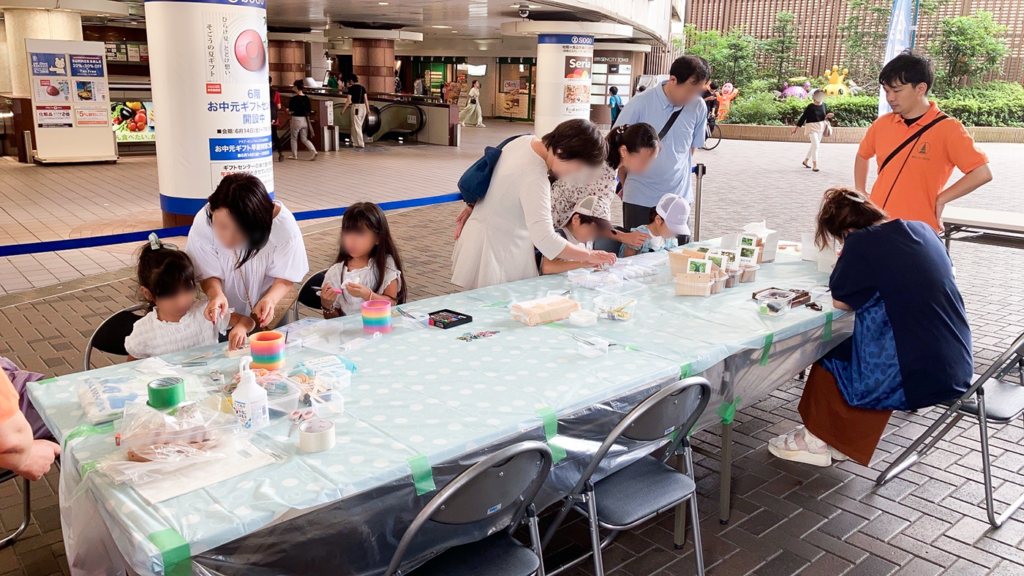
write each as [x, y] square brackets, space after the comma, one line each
[653, 16]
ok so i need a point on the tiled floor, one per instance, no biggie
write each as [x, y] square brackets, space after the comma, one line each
[787, 518]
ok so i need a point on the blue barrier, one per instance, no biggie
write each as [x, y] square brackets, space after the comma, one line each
[142, 235]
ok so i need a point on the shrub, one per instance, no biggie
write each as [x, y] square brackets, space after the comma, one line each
[758, 108]
[991, 104]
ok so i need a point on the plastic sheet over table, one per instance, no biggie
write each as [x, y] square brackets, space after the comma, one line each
[422, 407]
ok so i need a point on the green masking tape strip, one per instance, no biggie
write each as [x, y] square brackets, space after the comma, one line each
[174, 549]
[47, 381]
[826, 335]
[685, 371]
[728, 411]
[631, 348]
[550, 419]
[498, 304]
[767, 349]
[88, 467]
[87, 430]
[558, 325]
[422, 475]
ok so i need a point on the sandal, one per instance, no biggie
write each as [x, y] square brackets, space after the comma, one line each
[795, 448]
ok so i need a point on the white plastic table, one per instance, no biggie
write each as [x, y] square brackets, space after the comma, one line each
[421, 392]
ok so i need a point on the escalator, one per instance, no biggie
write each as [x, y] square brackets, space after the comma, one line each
[394, 120]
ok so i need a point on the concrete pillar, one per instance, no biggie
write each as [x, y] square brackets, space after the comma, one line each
[40, 24]
[373, 61]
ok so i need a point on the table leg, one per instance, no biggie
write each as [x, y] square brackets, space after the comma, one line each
[725, 468]
[680, 532]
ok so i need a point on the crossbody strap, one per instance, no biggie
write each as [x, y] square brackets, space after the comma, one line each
[912, 138]
[669, 123]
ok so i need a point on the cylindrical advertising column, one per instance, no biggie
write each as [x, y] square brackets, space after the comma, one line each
[208, 64]
[564, 64]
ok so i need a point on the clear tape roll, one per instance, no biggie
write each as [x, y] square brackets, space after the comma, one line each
[316, 435]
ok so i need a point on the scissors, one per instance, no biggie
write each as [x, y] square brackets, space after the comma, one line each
[297, 416]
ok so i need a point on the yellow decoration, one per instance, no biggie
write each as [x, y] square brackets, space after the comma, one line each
[835, 86]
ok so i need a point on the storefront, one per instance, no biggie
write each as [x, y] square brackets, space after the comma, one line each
[516, 89]
[618, 68]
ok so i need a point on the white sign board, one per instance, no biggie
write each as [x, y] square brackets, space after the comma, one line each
[69, 101]
[564, 72]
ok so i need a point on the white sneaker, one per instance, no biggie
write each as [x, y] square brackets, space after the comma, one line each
[481, 126]
[293, 157]
[314, 157]
[801, 446]
[837, 455]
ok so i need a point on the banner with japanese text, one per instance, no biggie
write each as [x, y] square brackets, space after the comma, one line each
[564, 72]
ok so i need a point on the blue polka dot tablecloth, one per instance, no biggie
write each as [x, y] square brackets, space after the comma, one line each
[421, 391]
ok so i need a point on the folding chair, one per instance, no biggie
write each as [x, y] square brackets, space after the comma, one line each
[497, 490]
[989, 399]
[26, 507]
[309, 295]
[109, 336]
[649, 486]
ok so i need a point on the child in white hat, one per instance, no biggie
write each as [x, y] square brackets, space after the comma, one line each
[670, 218]
[581, 229]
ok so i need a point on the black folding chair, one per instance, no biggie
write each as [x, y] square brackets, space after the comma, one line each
[109, 336]
[495, 492]
[309, 293]
[26, 507]
[989, 399]
[649, 486]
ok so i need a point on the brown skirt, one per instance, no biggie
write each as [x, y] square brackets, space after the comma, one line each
[852, 431]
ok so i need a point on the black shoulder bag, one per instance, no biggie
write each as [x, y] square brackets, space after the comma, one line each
[669, 123]
[910, 140]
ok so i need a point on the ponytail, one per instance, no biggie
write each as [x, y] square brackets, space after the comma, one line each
[635, 137]
[843, 210]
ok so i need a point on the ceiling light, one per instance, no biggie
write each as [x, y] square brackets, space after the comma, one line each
[438, 26]
[455, 31]
[534, 6]
[383, 3]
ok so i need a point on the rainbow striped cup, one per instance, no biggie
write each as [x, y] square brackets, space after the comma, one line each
[376, 316]
[267, 350]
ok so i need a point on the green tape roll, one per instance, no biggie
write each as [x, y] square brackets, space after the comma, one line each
[166, 392]
[422, 475]
[767, 349]
[826, 333]
[174, 550]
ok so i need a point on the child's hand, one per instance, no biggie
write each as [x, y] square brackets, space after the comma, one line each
[357, 290]
[327, 297]
[216, 308]
[634, 239]
[236, 338]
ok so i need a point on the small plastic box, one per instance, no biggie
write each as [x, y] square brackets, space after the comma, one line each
[612, 307]
[596, 280]
[719, 283]
[583, 318]
[733, 278]
[775, 302]
[694, 284]
[593, 347]
[748, 273]
[282, 397]
[624, 288]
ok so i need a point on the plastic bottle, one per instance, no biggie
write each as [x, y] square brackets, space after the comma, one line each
[250, 399]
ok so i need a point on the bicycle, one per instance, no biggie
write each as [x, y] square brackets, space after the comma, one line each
[712, 134]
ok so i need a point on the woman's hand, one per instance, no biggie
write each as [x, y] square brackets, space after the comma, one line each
[327, 297]
[217, 307]
[600, 258]
[795, 128]
[264, 311]
[635, 238]
[461, 219]
[357, 290]
[829, 115]
[236, 338]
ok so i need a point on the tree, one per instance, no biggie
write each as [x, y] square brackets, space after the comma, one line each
[780, 48]
[708, 44]
[739, 57]
[968, 47]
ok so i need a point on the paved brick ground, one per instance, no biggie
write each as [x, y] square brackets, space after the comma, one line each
[787, 518]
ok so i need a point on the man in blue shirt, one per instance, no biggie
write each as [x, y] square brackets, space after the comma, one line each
[670, 172]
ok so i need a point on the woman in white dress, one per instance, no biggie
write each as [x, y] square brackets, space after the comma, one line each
[496, 242]
[247, 249]
[473, 114]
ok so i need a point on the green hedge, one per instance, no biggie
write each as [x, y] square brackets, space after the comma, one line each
[992, 104]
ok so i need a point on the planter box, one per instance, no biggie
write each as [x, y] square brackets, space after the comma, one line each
[853, 135]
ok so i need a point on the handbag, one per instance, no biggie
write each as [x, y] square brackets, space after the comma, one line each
[472, 101]
[828, 130]
[476, 179]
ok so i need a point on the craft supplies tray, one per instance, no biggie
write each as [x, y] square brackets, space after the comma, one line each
[800, 297]
[282, 393]
[774, 302]
[624, 288]
[614, 307]
[445, 319]
[594, 280]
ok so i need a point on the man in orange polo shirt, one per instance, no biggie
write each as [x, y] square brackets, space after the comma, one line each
[912, 184]
[19, 453]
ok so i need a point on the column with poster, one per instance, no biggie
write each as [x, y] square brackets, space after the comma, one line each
[70, 98]
[209, 71]
[564, 68]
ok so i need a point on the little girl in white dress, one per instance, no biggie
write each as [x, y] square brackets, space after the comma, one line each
[175, 322]
[368, 265]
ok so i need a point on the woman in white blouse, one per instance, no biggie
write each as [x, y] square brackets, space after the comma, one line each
[247, 249]
[496, 243]
[473, 114]
[631, 150]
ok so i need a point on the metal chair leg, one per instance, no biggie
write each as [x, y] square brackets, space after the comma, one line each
[986, 470]
[566, 508]
[698, 548]
[679, 537]
[26, 514]
[534, 524]
[595, 530]
[911, 454]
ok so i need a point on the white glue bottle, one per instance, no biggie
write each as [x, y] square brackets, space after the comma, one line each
[250, 399]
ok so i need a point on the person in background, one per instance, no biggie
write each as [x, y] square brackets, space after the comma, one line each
[368, 266]
[814, 121]
[710, 96]
[913, 184]
[898, 278]
[581, 229]
[300, 109]
[473, 113]
[640, 89]
[419, 88]
[676, 110]
[499, 235]
[19, 451]
[332, 80]
[615, 103]
[247, 250]
[175, 322]
[275, 108]
[667, 221]
[357, 98]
